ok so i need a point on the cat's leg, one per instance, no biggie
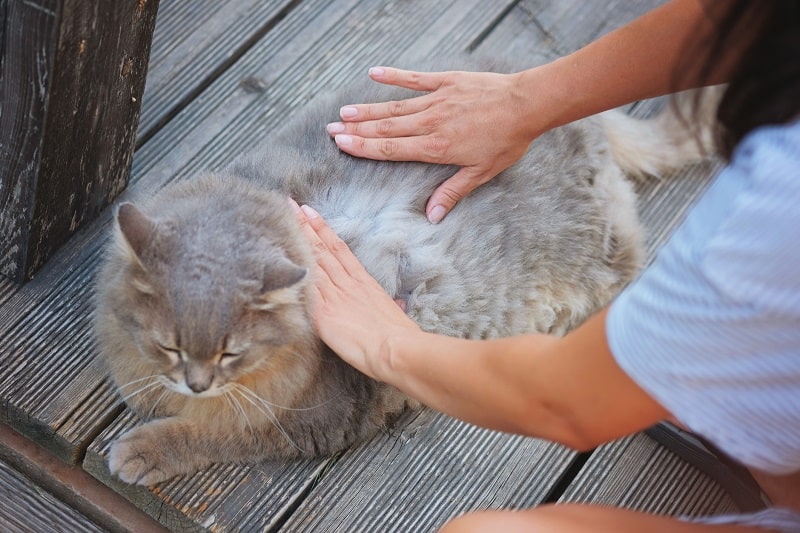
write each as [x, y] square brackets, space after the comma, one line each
[168, 447]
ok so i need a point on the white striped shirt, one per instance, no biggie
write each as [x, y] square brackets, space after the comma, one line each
[712, 329]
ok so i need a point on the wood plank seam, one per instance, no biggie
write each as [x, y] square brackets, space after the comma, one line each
[215, 73]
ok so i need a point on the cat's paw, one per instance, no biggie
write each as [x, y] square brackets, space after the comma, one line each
[136, 458]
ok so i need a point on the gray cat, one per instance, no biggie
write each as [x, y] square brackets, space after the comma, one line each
[202, 303]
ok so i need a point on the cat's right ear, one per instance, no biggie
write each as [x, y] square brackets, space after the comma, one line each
[136, 228]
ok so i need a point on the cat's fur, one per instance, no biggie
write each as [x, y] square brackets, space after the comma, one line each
[202, 307]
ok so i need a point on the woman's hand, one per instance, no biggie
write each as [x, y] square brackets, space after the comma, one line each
[352, 313]
[470, 119]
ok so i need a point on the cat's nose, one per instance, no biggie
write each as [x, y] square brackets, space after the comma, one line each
[197, 387]
[198, 377]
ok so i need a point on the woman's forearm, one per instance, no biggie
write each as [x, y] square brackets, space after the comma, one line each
[538, 385]
[640, 60]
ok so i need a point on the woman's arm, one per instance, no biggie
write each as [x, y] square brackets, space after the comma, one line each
[484, 122]
[568, 389]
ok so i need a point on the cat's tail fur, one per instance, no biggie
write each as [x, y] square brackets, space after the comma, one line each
[681, 133]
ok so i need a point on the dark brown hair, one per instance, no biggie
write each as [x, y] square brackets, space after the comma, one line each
[764, 84]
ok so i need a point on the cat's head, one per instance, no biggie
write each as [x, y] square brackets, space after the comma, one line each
[207, 295]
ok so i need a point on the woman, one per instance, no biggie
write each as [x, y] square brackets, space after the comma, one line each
[710, 333]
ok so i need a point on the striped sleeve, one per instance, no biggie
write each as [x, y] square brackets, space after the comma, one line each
[712, 329]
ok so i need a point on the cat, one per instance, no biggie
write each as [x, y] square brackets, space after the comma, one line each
[202, 316]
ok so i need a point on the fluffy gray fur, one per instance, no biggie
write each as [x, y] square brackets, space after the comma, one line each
[202, 307]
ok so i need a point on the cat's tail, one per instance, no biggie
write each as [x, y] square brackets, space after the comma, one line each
[670, 139]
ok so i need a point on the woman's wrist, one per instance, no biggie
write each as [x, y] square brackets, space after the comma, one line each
[544, 102]
[392, 364]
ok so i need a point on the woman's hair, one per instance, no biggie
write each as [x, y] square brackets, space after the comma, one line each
[764, 84]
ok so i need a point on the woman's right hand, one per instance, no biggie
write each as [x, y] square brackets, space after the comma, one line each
[475, 120]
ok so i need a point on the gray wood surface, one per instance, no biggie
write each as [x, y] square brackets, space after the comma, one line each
[25, 507]
[434, 469]
[195, 41]
[223, 79]
[638, 473]
[72, 75]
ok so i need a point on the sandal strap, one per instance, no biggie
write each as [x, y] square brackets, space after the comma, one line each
[727, 473]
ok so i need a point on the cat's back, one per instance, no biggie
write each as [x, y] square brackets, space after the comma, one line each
[542, 231]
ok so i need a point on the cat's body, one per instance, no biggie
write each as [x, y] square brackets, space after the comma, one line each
[202, 315]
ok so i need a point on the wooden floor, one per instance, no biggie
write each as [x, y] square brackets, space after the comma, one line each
[223, 75]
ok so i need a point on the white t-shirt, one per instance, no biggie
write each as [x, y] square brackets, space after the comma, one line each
[712, 329]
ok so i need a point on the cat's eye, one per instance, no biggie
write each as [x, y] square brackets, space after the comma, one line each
[226, 358]
[172, 353]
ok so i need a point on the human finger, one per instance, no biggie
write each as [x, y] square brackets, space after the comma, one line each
[333, 254]
[316, 243]
[422, 123]
[452, 190]
[426, 148]
[379, 110]
[409, 79]
[326, 263]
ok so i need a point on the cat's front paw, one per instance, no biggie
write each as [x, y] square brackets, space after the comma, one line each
[137, 458]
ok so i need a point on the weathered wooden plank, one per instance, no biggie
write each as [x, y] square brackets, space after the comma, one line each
[25, 507]
[50, 372]
[194, 41]
[542, 29]
[7, 288]
[71, 86]
[72, 486]
[435, 469]
[638, 473]
[573, 24]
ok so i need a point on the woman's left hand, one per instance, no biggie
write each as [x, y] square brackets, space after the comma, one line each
[352, 313]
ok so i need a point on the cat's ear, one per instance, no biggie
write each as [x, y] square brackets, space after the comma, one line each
[280, 284]
[136, 228]
[281, 274]
[136, 231]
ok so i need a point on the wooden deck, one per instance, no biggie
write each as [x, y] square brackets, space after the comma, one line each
[223, 75]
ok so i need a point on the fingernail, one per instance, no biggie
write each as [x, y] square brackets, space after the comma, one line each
[376, 72]
[437, 214]
[309, 211]
[343, 140]
[348, 112]
[335, 127]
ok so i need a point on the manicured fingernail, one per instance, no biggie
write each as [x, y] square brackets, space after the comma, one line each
[348, 112]
[437, 214]
[294, 206]
[343, 140]
[376, 72]
[335, 127]
[309, 211]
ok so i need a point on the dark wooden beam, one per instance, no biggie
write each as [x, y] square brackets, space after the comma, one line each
[72, 74]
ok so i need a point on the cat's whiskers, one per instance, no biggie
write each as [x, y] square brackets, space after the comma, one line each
[236, 406]
[155, 382]
[264, 408]
[161, 397]
[139, 380]
[278, 406]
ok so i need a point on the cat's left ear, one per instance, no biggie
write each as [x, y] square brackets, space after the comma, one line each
[136, 228]
[280, 284]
